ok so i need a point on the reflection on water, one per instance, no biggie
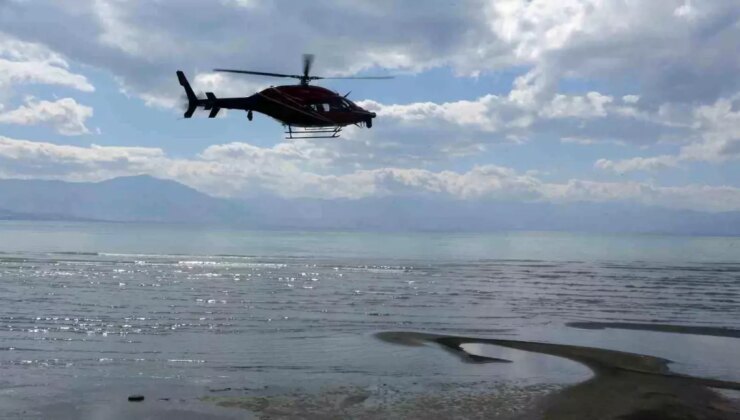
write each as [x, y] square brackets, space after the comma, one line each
[295, 319]
[534, 367]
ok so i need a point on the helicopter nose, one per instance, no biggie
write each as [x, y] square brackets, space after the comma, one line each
[372, 115]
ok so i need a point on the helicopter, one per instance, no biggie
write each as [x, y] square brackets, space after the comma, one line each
[306, 111]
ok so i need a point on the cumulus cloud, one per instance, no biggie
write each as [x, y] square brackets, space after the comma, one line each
[27, 62]
[142, 44]
[242, 170]
[651, 73]
[638, 163]
[65, 115]
[584, 141]
[719, 125]
[30, 159]
[674, 49]
[594, 116]
[23, 63]
[713, 134]
[675, 58]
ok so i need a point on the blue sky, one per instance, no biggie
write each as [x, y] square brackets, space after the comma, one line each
[602, 101]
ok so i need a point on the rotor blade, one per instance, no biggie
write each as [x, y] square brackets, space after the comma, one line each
[358, 77]
[258, 73]
[307, 63]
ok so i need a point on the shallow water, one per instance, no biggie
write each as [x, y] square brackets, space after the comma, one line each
[154, 308]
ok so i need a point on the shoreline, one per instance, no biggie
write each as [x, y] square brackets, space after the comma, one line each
[623, 386]
[645, 386]
[668, 328]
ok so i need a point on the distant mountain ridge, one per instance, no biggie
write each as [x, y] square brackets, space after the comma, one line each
[136, 199]
[11, 215]
[148, 199]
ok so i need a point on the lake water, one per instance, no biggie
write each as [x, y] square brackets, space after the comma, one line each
[94, 311]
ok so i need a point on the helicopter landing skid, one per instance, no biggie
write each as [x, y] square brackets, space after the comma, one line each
[312, 132]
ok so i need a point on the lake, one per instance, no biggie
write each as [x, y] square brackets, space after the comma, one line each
[93, 312]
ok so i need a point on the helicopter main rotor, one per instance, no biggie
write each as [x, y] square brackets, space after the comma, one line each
[305, 77]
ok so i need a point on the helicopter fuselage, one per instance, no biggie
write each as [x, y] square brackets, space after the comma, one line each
[300, 105]
[303, 106]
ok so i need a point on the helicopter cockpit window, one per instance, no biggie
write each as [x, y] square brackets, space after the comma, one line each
[340, 104]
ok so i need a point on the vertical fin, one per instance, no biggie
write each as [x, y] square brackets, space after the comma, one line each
[192, 99]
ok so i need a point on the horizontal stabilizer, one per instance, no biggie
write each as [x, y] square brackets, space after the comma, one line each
[214, 112]
[210, 101]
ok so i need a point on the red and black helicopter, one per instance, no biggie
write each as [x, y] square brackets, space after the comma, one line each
[305, 110]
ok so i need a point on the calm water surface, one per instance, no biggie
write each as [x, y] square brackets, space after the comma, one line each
[144, 307]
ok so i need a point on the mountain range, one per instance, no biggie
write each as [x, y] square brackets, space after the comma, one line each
[148, 199]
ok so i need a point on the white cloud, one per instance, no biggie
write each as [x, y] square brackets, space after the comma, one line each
[65, 115]
[572, 106]
[27, 62]
[30, 159]
[638, 163]
[686, 11]
[594, 116]
[631, 99]
[478, 114]
[676, 50]
[666, 73]
[239, 169]
[719, 127]
[672, 56]
[121, 30]
[584, 141]
[714, 136]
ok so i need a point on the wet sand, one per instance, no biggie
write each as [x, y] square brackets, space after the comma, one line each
[669, 328]
[624, 386]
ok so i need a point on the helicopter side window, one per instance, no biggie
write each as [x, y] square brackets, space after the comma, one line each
[319, 107]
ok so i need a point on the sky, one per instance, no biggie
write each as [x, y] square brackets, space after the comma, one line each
[518, 100]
